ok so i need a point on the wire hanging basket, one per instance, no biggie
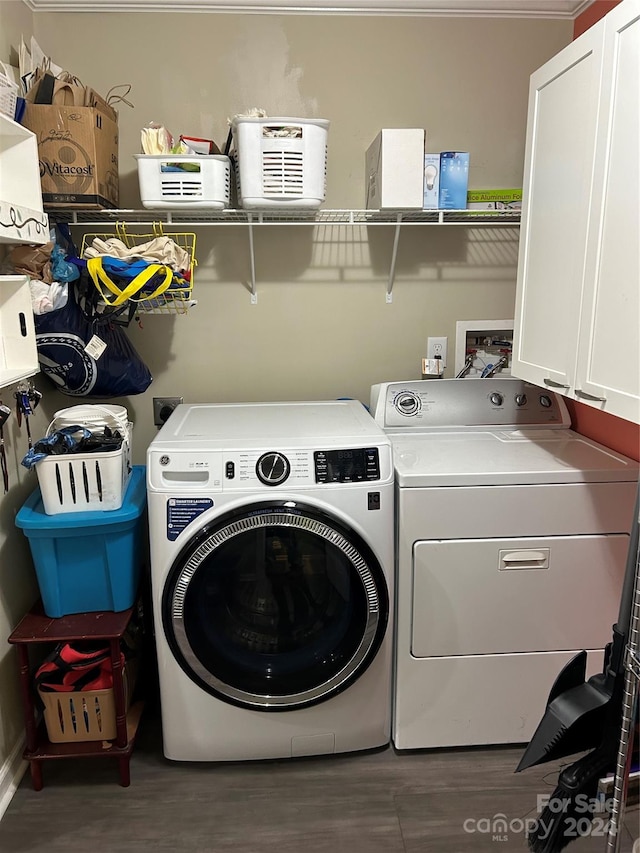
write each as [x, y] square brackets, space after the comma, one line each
[178, 297]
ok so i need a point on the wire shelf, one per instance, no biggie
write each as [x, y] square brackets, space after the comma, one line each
[288, 216]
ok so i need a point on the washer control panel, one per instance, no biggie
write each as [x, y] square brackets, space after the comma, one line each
[247, 470]
[347, 466]
[475, 402]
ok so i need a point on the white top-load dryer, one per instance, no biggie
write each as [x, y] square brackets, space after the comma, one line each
[271, 528]
[512, 534]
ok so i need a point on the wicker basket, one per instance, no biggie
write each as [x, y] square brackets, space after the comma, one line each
[85, 715]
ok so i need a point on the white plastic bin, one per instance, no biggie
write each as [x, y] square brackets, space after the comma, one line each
[178, 182]
[8, 96]
[80, 482]
[282, 162]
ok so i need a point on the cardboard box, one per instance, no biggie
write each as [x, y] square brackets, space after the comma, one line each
[394, 169]
[454, 179]
[78, 154]
[431, 182]
[510, 199]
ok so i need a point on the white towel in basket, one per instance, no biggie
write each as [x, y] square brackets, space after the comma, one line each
[164, 250]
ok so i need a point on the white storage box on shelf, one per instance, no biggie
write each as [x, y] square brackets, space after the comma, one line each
[80, 482]
[394, 169]
[179, 182]
[281, 162]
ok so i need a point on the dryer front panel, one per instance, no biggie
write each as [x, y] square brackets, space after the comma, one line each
[275, 606]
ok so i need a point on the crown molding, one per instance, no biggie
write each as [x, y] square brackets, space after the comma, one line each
[559, 9]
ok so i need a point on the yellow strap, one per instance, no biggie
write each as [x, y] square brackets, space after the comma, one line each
[98, 275]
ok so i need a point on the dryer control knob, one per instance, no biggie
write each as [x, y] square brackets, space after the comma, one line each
[545, 401]
[407, 403]
[273, 468]
[521, 399]
[496, 398]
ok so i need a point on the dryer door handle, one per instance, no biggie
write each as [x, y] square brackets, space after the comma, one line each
[523, 559]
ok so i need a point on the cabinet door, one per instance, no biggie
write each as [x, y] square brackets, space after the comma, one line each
[558, 179]
[608, 365]
[18, 350]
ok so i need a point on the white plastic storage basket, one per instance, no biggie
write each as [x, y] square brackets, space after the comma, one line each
[282, 162]
[180, 182]
[80, 482]
[8, 96]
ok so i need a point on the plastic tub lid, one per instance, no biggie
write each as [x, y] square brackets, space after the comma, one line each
[32, 516]
[110, 415]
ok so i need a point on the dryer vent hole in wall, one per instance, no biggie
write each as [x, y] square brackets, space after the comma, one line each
[163, 407]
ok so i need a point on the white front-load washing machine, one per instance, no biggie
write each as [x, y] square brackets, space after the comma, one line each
[271, 533]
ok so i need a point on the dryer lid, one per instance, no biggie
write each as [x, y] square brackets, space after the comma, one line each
[506, 457]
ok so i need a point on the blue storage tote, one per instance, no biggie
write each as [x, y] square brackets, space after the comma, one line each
[87, 561]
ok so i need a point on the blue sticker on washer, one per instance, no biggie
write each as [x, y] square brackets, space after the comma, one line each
[182, 511]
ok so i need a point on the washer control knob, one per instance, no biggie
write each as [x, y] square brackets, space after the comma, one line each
[407, 403]
[496, 398]
[521, 399]
[545, 401]
[273, 468]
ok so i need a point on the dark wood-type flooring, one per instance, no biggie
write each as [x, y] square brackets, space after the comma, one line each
[375, 802]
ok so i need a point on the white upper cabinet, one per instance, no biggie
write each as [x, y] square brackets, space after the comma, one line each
[608, 362]
[577, 301]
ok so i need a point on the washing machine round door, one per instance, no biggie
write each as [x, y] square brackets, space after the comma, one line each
[276, 606]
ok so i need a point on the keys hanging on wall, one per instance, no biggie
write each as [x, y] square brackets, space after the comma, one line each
[27, 401]
[5, 414]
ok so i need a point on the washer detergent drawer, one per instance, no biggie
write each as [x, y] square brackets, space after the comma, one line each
[492, 596]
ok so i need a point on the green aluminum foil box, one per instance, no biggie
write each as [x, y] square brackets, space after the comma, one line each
[500, 199]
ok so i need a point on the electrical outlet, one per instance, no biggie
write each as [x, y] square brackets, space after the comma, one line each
[162, 408]
[437, 347]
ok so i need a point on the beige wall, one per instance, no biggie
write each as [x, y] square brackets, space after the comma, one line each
[321, 328]
[15, 20]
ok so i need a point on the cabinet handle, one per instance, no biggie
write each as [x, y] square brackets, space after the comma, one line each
[555, 384]
[586, 396]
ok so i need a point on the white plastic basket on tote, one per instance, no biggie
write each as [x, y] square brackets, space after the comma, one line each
[282, 162]
[81, 482]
